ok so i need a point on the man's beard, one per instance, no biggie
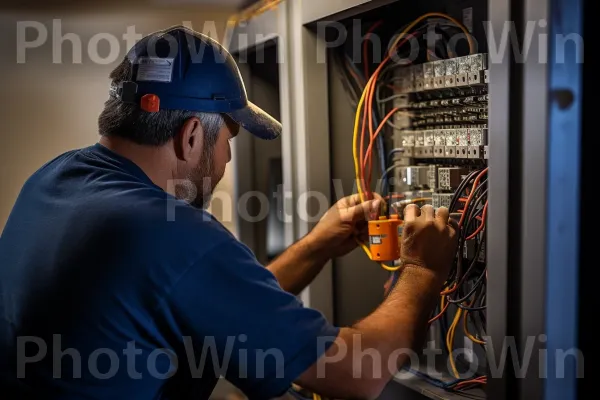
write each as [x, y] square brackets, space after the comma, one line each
[201, 182]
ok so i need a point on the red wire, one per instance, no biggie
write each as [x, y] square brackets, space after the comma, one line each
[432, 320]
[462, 218]
[477, 381]
[368, 111]
[368, 155]
[480, 228]
[366, 70]
[366, 49]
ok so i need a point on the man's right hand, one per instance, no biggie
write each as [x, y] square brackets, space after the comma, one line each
[429, 239]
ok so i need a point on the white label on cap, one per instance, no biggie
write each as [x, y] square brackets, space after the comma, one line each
[155, 69]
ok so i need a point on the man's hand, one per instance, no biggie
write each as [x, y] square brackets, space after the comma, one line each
[343, 224]
[429, 239]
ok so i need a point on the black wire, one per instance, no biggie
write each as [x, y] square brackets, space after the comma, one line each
[470, 294]
[482, 187]
[475, 212]
[463, 185]
[461, 279]
[458, 265]
[350, 86]
[476, 317]
[391, 169]
[472, 309]
[461, 188]
[480, 293]
[483, 320]
[460, 290]
[471, 208]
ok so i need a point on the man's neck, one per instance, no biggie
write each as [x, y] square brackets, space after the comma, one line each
[148, 158]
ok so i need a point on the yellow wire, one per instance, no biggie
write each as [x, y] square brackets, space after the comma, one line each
[368, 253]
[450, 340]
[253, 11]
[467, 333]
[362, 101]
[371, 80]
[355, 140]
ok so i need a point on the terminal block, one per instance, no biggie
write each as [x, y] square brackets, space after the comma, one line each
[441, 200]
[450, 178]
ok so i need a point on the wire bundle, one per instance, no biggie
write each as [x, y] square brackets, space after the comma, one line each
[460, 386]
[367, 114]
[365, 106]
[465, 288]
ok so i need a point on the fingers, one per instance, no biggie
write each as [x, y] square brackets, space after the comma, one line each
[442, 214]
[361, 231]
[349, 201]
[442, 217]
[353, 200]
[429, 212]
[411, 212]
[454, 225]
[377, 196]
[361, 211]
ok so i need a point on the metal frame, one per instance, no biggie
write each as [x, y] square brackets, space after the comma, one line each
[534, 222]
[258, 30]
[240, 39]
[243, 182]
[311, 160]
[534, 203]
[316, 10]
[498, 198]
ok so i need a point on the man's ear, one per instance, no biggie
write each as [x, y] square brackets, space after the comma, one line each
[189, 141]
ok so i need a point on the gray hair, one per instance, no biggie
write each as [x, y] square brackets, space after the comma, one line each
[129, 121]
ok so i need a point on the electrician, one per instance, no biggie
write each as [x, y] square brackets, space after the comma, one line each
[116, 284]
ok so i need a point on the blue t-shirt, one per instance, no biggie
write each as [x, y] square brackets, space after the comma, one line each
[112, 289]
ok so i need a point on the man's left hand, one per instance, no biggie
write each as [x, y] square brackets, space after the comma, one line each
[338, 230]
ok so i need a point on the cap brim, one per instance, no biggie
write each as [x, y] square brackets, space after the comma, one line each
[258, 122]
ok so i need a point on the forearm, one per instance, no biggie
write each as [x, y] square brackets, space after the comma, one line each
[298, 266]
[402, 319]
[365, 356]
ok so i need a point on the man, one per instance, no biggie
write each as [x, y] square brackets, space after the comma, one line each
[113, 287]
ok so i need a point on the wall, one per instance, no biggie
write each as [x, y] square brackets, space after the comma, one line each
[50, 103]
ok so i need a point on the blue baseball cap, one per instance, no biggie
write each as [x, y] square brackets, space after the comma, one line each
[180, 69]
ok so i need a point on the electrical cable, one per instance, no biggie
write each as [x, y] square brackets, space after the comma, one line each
[394, 151]
[254, 10]
[368, 91]
[362, 87]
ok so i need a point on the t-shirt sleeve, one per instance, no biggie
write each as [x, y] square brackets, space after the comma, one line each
[232, 306]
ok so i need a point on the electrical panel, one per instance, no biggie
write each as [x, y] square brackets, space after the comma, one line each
[421, 136]
[441, 144]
